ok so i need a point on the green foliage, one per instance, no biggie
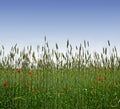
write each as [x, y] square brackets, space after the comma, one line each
[49, 79]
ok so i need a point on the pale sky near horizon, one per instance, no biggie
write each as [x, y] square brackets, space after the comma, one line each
[26, 22]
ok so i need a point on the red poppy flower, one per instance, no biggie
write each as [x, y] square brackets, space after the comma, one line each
[19, 71]
[27, 86]
[99, 79]
[5, 84]
[58, 92]
[30, 73]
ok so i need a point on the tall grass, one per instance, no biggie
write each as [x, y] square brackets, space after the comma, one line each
[49, 79]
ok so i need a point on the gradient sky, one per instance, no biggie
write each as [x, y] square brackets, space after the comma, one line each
[26, 22]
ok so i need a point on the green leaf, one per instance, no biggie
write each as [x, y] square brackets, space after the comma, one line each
[19, 98]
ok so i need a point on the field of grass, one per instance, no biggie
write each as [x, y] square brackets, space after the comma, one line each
[49, 79]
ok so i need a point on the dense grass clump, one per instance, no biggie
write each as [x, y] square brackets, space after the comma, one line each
[49, 79]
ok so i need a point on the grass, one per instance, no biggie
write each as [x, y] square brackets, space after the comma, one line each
[49, 79]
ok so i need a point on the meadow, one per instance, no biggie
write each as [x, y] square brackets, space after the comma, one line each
[49, 79]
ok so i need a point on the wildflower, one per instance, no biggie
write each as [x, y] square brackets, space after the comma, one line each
[99, 79]
[6, 84]
[19, 71]
[27, 86]
[30, 73]
[58, 92]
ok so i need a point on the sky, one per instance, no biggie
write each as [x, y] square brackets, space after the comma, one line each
[27, 22]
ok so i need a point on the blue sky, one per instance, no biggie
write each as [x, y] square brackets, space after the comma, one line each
[26, 22]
